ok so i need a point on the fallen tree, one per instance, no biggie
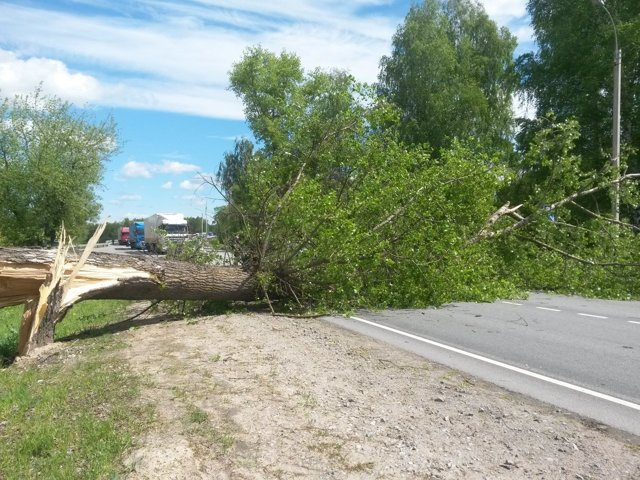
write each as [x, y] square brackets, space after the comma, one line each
[334, 212]
[50, 282]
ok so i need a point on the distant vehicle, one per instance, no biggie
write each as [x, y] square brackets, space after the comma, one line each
[136, 235]
[160, 227]
[123, 236]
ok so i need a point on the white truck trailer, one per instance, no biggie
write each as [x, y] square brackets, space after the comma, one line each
[160, 227]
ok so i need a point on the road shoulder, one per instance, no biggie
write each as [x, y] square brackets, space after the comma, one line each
[262, 397]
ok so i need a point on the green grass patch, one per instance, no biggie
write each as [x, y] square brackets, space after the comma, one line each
[91, 314]
[85, 316]
[9, 328]
[330, 450]
[197, 415]
[73, 416]
[204, 431]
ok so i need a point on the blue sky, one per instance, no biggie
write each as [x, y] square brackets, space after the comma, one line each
[160, 67]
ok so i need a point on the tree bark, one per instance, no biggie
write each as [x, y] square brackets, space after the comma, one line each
[24, 274]
[126, 277]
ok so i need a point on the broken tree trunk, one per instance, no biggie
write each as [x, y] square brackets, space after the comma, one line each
[28, 276]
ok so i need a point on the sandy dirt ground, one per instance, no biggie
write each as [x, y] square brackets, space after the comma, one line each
[258, 397]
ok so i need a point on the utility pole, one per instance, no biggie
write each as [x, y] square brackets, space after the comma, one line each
[615, 129]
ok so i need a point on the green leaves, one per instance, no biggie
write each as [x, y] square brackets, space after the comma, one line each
[451, 75]
[334, 212]
[51, 160]
[571, 74]
[341, 205]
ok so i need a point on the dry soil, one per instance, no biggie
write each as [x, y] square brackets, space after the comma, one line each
[259, 397]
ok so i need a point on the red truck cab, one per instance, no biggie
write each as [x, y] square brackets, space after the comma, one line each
[123, 236]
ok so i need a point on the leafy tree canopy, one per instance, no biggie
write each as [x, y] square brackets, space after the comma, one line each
[334, 210]
[451, 75]
[51, 162]
[571, 73]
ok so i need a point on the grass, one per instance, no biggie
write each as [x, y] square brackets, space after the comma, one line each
[9, 327]
[205, 432]
[82, 317]
[307, 399]
[335, 452]
[330, 450]
[360, 467]
[73, 416]
[89, 315]
[197, 415]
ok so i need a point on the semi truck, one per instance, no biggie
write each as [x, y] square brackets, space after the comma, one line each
[123, 236]
[136, 235]
[160, 227]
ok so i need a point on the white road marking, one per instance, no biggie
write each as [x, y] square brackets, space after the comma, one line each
[631, 321]
[537, 376]
[590, 315]
[550, 309]
[512, 303]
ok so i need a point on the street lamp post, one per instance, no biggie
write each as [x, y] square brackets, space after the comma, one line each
[615, 130]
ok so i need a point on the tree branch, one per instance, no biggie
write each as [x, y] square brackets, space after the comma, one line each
[600, 217]
[570, 199]
[574, 257]
[484, 232]
[276, 214]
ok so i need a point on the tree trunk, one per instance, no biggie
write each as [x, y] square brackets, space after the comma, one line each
[24, 274]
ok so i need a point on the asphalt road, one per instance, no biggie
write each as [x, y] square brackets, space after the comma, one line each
[579, 354]
[120, 249]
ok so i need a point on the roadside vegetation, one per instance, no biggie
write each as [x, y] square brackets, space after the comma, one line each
[425, 189]
[72, 412]
[418, 190]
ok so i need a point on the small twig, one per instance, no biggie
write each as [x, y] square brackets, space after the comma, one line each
[600, 217]
[293, 293]
[212, 182]
[143, 311]
[266, 295]
[296, 250]
[400, 210]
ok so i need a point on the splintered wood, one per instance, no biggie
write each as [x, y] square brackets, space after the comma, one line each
[49, 283]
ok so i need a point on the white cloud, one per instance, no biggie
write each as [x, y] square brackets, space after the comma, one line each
[195, 200]
[175, 55]
[176, 167]
[504, 11]
[523, 108]
[136, 215]
[230, 138]
[136, 169]
[130, 197]
[512, 14]
[125, 198]
[147, 170]
[167, 185]
[524, 33]
[191, 184]
[178, 58]
[19, 77]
